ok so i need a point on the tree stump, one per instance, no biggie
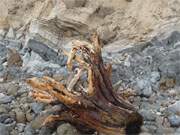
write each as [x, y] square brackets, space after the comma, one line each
[97, 106]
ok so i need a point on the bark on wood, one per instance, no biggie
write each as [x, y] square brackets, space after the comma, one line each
[99, 108]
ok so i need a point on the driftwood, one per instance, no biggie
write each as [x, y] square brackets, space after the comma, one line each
[96, 107]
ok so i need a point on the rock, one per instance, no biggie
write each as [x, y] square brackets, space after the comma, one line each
[11, 33]
[148, 115]
[35, 65]
[3, 51]
[14, 58]
[144, 88]
[174, 120]
[47, 53]
[3, 109]
[74, 3]
[174, 108]
[3, 33]
[45, 131]
[147, 92]
[28, 130]
[75, 20]
[20, 127]
[155, 76]
[167, 83]
[66, 129]
[4, 99]
[6, 119]
[14, 132]
[12, 73]
[37, 107]
[14, 44]
[13, 89]
[30, 116]
[105, 34]
[20, 116]
[3, 130]
[1, 68]
[37, 122]
[178, 130]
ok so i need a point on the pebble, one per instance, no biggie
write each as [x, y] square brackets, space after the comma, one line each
[148, 115]
[37, 122]
[144, 88]
[147, 92]
[37, 107]
[67, 129]
[30, 116]
[155, 76]
[3, 109]
[20, 116]
[3, 130]
[178, 130]
[28, 130]
[20, 127]
[175, 108]
[4, 99]
[13, 89]
[11, 33]
[45, 131]
[174, 120]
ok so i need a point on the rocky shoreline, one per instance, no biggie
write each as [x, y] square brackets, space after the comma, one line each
[150, 70]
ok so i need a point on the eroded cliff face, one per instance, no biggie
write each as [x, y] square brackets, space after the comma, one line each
[135, 20]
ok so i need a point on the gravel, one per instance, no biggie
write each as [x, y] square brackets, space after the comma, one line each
[153, 77]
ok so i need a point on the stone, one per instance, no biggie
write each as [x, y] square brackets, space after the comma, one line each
[174, 108]
[14, 132]
[30, 116]
[3, 32]
[3, 51]
[37, 107]
[35, 65]
[37, 122]
[178, 130]
[1, 68]
[167, 83]
[67, 129]
[3, 118]
[11, 33]
[20, 127]
[170, 68]
[147, 92]
[43, 31]
[47, 53]
[20, 116]
[14, 44]
[155, 77]
[3, 109]
[12, 73]
[4, 99]
[28, 130]
[144, 88]
[174, 120]
[3, 130]
[105, 33]
[13, 89]
[74, 3]
[45, 131]
[148, 115]
[14, 58]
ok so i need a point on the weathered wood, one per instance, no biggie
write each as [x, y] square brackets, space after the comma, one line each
[99, 108]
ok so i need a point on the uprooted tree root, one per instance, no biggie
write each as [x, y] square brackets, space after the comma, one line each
[99, 108]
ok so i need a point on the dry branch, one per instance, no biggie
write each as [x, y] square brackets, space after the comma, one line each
[99, 108]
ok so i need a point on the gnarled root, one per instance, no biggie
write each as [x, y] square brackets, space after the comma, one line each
[98, 108]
